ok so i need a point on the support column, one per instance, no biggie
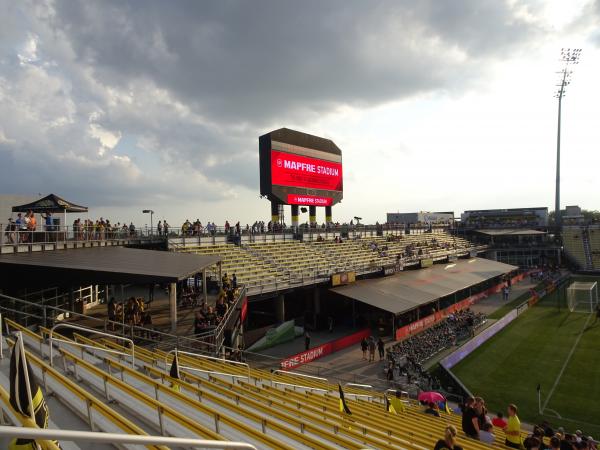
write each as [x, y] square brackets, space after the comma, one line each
[173, 305]
[204, 288]
[316, 306]
[328, 215]
[280, 308]
[312, 214]
[274, 212]
[295, 216]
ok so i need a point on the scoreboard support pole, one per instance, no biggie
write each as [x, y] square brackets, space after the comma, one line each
[295, 216]
[274, 212]
[328, 215]
[312, 214]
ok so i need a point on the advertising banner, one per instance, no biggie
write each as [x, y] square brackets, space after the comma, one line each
[288, 169]
[309, 200]
[323, 350]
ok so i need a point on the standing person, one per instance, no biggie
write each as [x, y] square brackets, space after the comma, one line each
[330, 324]
[48, 221]
[470, 424]
[513, 428]
[505, 293]
[166, 228]
[449, 441]
[381, 348]
[363, 346]
[306, 340]
[159, 228]
[371, 349]
[112, 310]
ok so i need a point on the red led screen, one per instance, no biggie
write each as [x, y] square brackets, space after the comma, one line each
[288, 169]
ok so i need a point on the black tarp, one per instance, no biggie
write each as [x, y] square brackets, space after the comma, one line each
[51, 203]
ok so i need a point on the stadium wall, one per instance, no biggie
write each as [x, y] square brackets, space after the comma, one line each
[324, 349]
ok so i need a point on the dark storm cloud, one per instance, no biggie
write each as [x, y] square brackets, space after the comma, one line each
[192, 84]
[255, 61]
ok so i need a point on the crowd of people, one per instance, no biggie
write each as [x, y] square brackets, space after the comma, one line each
[132, 312]
[476, 423]
[207, 317]
[420, 347]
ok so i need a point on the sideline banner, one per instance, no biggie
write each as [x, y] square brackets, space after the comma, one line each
[324, 349]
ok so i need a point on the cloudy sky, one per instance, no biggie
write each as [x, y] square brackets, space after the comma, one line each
[436, 105]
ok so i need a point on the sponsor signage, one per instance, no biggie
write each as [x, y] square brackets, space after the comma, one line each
[310, 200]
[338, 279]
[323, 350]
[288, 169]
[427, 262]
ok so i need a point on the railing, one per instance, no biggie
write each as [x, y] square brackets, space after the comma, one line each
[78, 328]
[12, 235]
[301, 375]
[112, 438]
[48, 314]
[196, 355]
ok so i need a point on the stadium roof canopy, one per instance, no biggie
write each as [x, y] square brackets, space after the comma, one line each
[407, 290]
[510, 232]
[100, 265]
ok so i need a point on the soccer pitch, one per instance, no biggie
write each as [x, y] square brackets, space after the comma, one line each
[546, 345]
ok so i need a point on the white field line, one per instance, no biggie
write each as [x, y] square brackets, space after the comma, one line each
[566, 363]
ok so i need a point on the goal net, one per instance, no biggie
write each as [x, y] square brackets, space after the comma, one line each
[582, 296]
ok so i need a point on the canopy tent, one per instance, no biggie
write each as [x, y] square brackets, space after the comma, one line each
[51, 203]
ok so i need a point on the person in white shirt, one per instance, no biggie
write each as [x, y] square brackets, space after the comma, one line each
[486, 433]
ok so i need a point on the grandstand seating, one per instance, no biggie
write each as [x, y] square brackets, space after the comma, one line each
[268, 266]
[582, 244]
[218, 399]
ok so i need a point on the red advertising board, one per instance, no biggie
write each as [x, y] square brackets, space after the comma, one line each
[288, 169]
[310, 200]
[324, 349]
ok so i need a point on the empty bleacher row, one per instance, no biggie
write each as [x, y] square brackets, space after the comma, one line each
[217, 399]
[264, 265]
[582, 244]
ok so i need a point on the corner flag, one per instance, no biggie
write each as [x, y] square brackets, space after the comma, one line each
[26, 396]
[343, 406]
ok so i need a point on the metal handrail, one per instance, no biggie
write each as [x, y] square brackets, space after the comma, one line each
[281, 383]
[93, 436]
[207, 357]
[275, 372]
[358, 385]
[75, 327]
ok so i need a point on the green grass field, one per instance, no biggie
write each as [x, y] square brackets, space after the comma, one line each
[535, 349]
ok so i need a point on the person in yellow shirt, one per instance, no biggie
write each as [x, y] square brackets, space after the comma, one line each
[512, 430]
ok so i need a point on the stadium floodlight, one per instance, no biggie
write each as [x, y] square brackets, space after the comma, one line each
[568, 58]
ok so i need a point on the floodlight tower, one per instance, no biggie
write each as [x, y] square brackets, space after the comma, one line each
[568, 57]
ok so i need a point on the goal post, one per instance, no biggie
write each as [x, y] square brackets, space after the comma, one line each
[582, 296]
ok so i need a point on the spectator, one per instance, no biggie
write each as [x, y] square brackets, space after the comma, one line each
[306, 340]
[364, 346]
[371, 349]
[486, 434]
[381, 348]
[513, 428]
[470, 424]
[432, 409]
[449, 441]
[554, 443]
[531, 443]
[48, 221]
[330, 324]
[159, 228]
[499, 421]
[111, 307]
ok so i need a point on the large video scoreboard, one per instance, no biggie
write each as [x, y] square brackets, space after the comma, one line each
[300, 169]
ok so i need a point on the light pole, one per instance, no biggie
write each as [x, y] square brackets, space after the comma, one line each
[568, 57]
[149, 211]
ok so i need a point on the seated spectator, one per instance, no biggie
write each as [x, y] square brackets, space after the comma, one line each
[486, 434]
[499, 421]
[432, 409]
[554, 443]
[531, 443]
[449, 441]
